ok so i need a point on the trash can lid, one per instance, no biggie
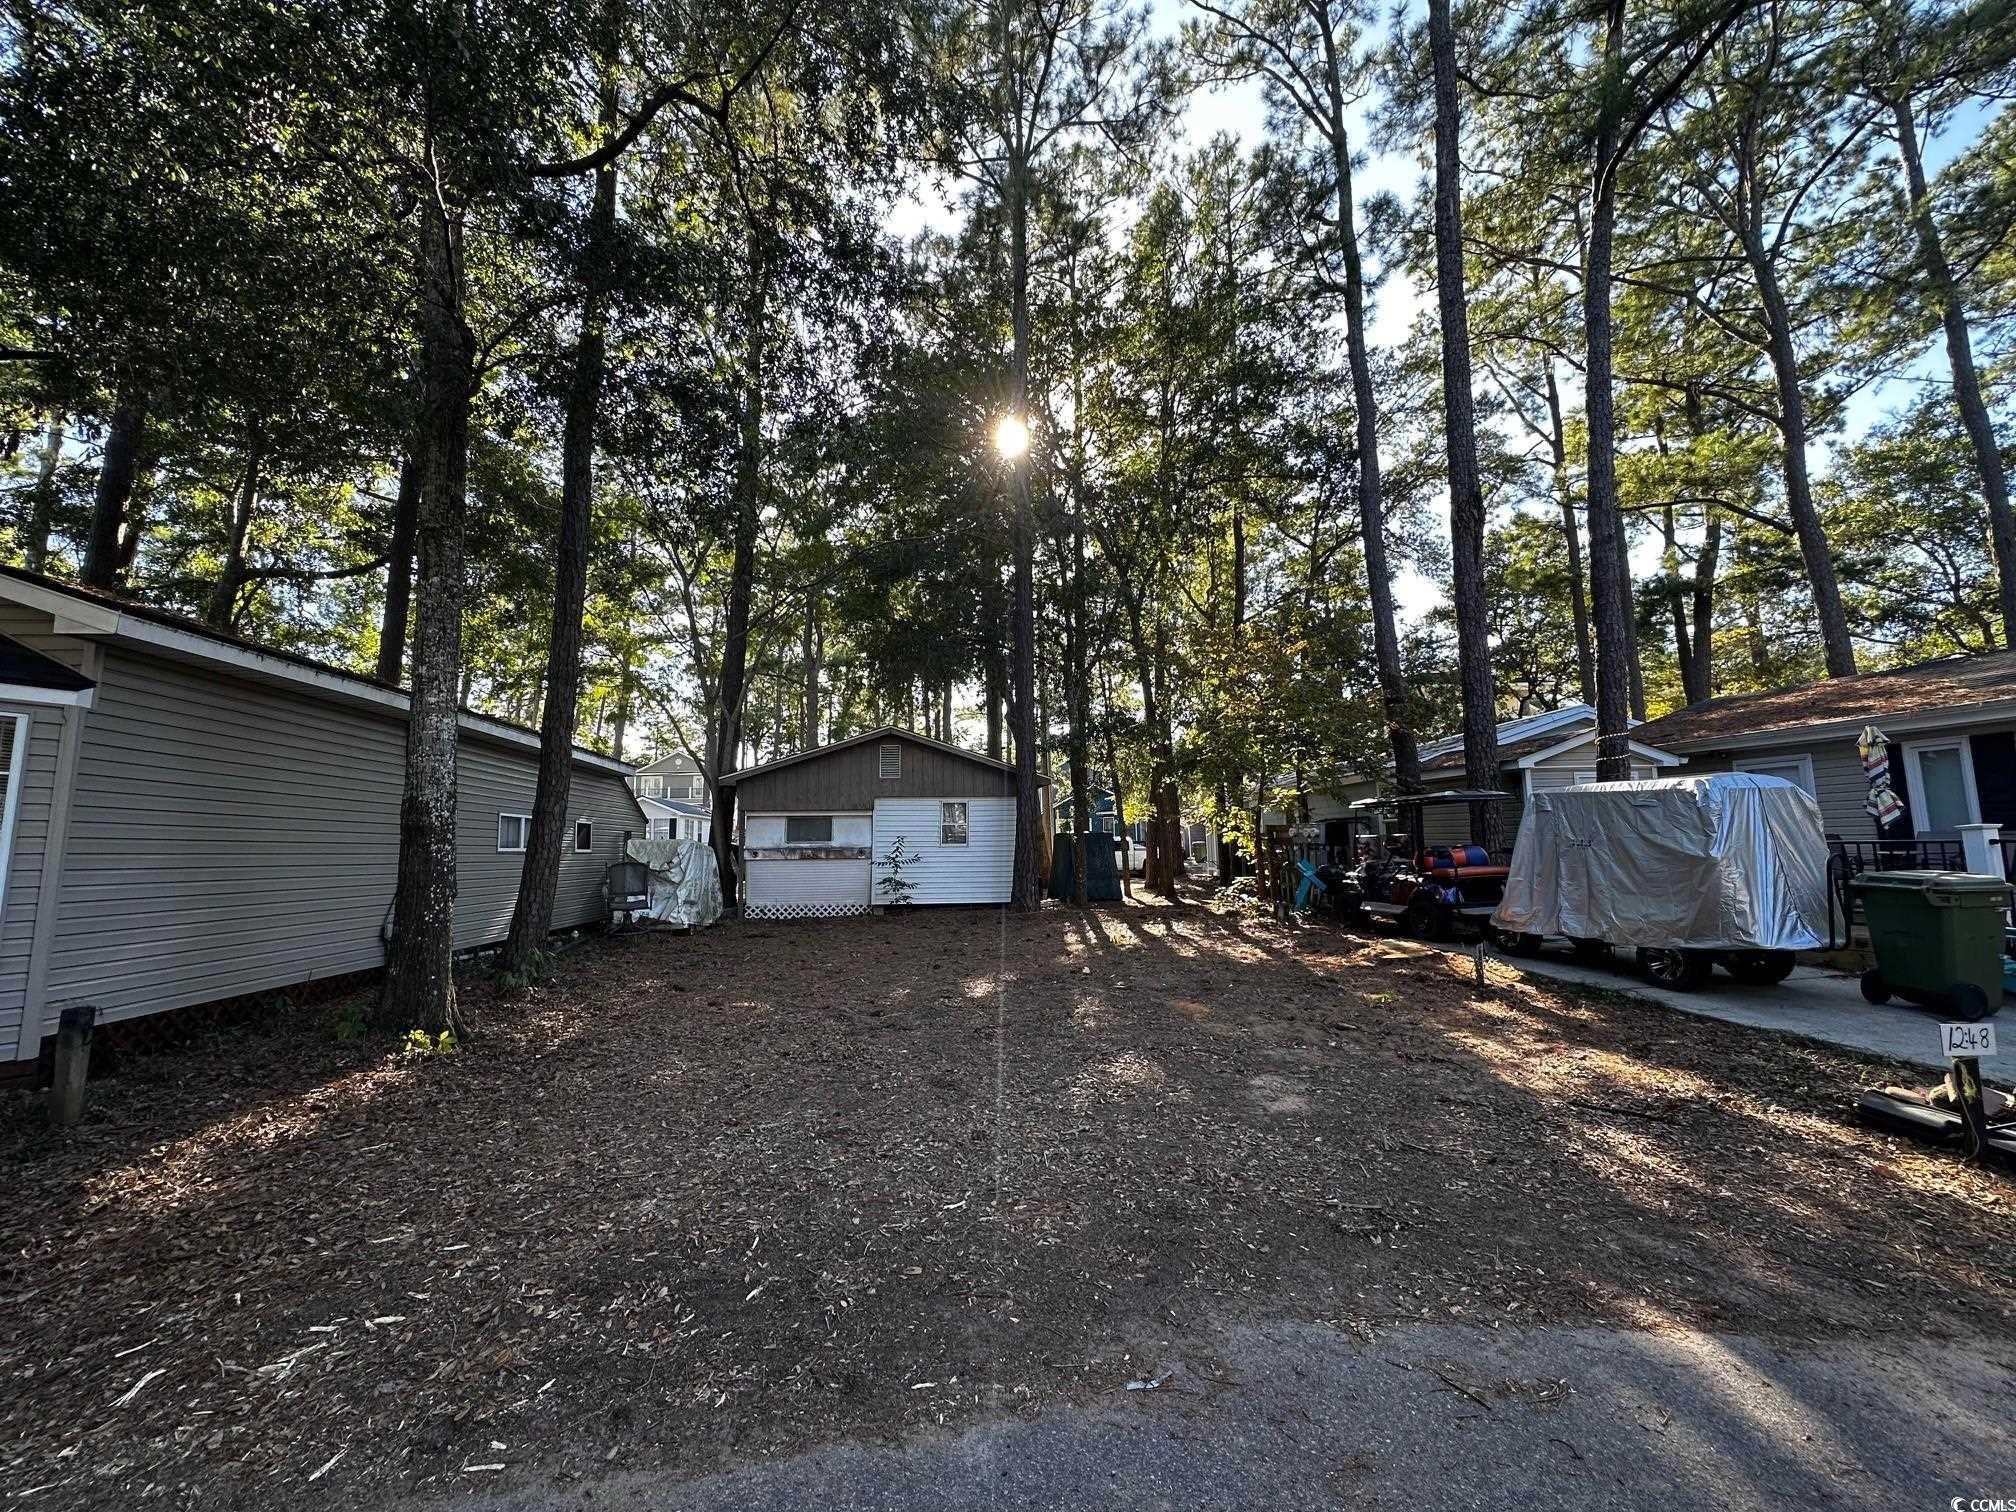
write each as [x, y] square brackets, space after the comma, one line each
[1928, 881]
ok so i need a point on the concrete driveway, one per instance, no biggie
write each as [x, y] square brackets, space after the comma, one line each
[1822, 1005]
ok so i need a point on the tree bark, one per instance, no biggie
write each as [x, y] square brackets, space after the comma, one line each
[399, 573]
[1026, 889]
[551, 837]
[1836, 643]
[1564, 491]
[1700, 673]
[117, 472]
[1466, 491]
[814, 649]
[420, 973]
[1393, 694]
[1609, 582]
[222, 610]
[1967, 398]
[619, 725]
[42, 500]
[733, 685]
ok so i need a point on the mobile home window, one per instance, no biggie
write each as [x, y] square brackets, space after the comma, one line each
[1797, 769]
[892, 762]
[952, 823]
[512, 830]
[584, 835]
[808, 829]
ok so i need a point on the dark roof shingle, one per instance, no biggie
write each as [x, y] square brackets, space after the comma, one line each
[1950, 683]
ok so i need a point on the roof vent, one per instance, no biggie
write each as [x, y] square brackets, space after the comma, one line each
[892, 762]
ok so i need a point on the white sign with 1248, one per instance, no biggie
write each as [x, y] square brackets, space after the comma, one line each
[1967, 1039]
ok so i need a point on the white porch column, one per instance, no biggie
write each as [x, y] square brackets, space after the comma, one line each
[1981, 844]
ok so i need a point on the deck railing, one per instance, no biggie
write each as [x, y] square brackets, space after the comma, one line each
[1848, 859]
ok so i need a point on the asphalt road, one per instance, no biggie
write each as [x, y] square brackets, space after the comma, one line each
[1437, 1417]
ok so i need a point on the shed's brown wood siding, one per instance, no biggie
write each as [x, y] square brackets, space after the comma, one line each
[846, 781]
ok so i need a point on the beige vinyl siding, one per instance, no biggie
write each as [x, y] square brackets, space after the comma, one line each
[22, 897]
[229, 837]
[1839, 785]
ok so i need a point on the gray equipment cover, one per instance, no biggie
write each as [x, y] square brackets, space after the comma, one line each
[685, 881]
[1725, 862]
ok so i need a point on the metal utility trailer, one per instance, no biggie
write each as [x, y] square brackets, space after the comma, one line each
[1432, 890]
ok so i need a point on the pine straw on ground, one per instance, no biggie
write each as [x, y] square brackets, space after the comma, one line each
[705, 1199]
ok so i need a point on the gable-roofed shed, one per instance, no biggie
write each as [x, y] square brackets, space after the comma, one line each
[819, 828]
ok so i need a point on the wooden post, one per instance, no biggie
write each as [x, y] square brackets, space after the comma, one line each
[1967, 1102]
[73, 1065]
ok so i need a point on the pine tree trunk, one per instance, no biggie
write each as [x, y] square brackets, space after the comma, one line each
[552, 835]
[399, 573]
[1393, 694]
[118, 470]
[1564, 492]
[733, 685]
[1466, 491]
[619, 730]
[1836, 643]
[420, 974]
[1609, 581]
[222, 610]
[1946, 295]
[42, 498]
[1700, 672]
[1026, 890]
[813, 650]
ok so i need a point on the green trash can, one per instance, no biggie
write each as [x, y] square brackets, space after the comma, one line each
[1938, 939]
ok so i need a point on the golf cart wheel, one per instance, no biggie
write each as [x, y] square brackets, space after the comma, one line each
[1681, 970]
[1760, 968]
[1874, 988]
[1591, 952]
[1513, 943]
[1426, 921]
[1972, 1004]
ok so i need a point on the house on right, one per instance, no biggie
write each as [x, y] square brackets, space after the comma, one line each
[1950, 729]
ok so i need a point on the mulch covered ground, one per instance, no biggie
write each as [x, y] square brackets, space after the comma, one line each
[707, 1199]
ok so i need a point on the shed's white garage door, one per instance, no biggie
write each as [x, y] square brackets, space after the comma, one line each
[807, 889]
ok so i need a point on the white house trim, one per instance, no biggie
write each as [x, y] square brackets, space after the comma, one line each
[19, 693]
[82, 617]
[1652, 754]
[1913, 750]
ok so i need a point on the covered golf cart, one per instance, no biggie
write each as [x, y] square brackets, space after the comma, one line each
[1688, 871]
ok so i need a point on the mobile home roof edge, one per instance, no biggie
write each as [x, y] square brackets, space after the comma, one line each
[87, 612]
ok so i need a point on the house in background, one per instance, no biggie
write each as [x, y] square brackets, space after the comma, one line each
[817, 829]
[675, 777]
[677, 819]
[1951, 729]
[187, 817]
[1552, 749]
[1104, 811]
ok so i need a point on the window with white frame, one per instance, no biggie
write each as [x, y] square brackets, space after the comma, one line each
[952, 823]
[584, 836]
[1797, 768]
[808, 829]
[654, 786]
[892, 762]
[1941, 775]
[13, 753]
[512, 832]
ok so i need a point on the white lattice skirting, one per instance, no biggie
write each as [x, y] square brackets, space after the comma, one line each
[803, 910]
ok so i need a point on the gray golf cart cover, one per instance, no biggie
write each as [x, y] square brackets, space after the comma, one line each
[1725, 862]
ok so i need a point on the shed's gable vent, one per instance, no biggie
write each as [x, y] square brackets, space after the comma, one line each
[892, 761]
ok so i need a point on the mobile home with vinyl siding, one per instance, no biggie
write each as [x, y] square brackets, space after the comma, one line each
[188, 818]
[818, 829]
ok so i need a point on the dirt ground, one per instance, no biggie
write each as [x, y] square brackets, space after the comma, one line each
[703, 1200]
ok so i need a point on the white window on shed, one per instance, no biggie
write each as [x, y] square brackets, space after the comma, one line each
[952, 823]
[584, 836]
[512, 831]
[808, 829]
[892, 762]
